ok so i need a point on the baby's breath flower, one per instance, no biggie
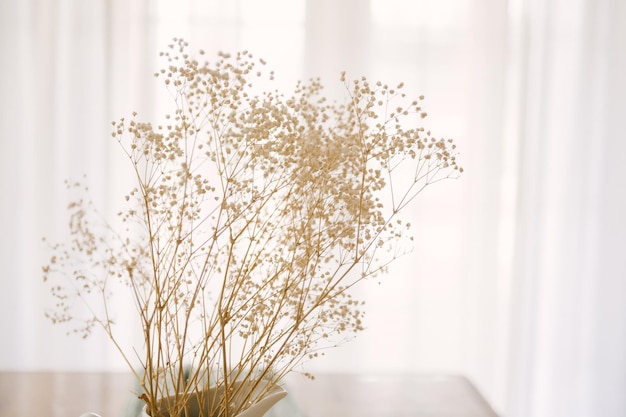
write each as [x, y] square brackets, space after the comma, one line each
[253, 215]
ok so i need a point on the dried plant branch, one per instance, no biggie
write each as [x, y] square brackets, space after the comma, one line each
[253, 216]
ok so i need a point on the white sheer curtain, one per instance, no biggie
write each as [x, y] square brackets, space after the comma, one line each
[67, 67]
[518, 279]
[569, 326]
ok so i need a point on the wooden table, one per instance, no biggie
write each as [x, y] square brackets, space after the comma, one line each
[68, 394]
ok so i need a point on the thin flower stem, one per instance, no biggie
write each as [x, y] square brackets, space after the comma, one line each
[253, 216]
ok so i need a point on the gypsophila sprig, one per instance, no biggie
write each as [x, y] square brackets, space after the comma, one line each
[253, 215]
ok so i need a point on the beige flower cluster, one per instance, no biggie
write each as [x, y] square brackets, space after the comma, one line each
[253, 215]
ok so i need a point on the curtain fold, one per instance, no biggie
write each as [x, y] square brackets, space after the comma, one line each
[569, 346]
[67, 70]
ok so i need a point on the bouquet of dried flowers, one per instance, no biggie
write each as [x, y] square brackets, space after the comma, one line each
[253, 215]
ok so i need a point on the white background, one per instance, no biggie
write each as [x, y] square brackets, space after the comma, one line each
[518, 277]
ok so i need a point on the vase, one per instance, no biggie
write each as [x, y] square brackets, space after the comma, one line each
[260, 406]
